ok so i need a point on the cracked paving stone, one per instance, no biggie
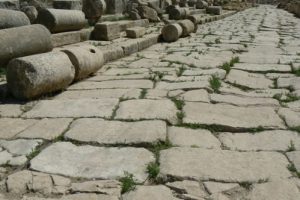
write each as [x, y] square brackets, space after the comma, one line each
[157, 192]
[243, 101]
[66, 159]
[275, 190]
[147, 109]
[217, 187]
[116, 132]
[196, 138]
[46, 128]
[100, 94]
[250, 80]
[204, 84]
[121, 84]
[262, 67]
[10, 127]
[231, 117]
[20, 146]
[222, 165]
[294, 157]
[73, 108]
[275, 140]
[292, 118]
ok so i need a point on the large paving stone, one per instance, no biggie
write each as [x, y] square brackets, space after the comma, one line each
[250, 80]
[20, 146]
[188, 189]
[293, 82]
[66, 159]
[121, 84]
[243, 101]
[231, 117]
[294, 157]
[10, 110]
[196, 95]
[10, 127]
[115, 132]
[73, 108]
[275, 190]
[100, 94]
[292, 118]
[204, 84]
[276, 140]
[262, 67]
[47, 129]
[221, 165]
[157, 192]
[147, 109]
[189, 137]
[216, 187]
[295, 105]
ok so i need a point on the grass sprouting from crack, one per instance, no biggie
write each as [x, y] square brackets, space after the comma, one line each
[127, 182]
[215, 83]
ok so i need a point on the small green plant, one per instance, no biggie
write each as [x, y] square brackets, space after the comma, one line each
[215, 83]
[291, 147]
[226, 66]
[179, 103]
[218, 41]
[247, 185]
[296, 72]
[153, 170]
[143, 94]
[234, 60]
[180, 71]
[180, 115]
[33, 154]
[158, 146]
[291, 167]
[127, 182]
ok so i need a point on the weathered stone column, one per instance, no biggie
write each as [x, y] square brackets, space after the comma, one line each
[59, 20]
[68, 4]
[215, 10]
[187, 27]
[87, 59]
[178, 13]
[10, 4]
[12, 18]
[31, 12]
[171, 32]
[32, 76]
[23, 41]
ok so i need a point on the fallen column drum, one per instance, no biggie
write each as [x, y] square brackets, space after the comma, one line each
[23, 41]
[12, 18]
[32, 76]
[171, 32]
[59, 20]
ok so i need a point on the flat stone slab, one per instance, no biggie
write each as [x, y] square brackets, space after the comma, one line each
[66, 159]
[262, 67]
[294, 157]
[99, 94]
[147, 109]
[222, 165]
[295, 105]
[232, 117]
[193, 138]
[217, 187]
[275, 190]
[10, 110]
[204, 84]
[157, 192]
[121, 84]
[46, 128]
[250, 80]
[243, 101]
[20, 146]
[10, 127]
[289, 82]
[196, 95]
[292, 118]
[73, 108]
[276, 140]
[116, 132]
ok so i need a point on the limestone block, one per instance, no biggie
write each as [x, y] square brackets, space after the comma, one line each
[106, 31]
[135, 32]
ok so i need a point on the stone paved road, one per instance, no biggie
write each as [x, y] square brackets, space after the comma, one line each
[216, 114]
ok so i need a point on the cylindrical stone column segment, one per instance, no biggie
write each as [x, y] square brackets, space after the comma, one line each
[187, 27]
[23, 41]
[67, 4]
[32, 76]
[60, 20]
[87, 59]
[31, 12]
[171, 32]
[12, 18]
[196, 19]
[215, 10]
[178, 13]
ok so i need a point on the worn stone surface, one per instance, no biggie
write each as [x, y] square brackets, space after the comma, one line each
[291, 117]
[193, 138]
[294, 157]
[10, 127]
[196, 95]
[276, 140]
[188, 188]
[202, 164]
[216, 187]
[64, 158]
[20, 146]
[110, 187]
[73, 108]
[262, 67]
[232, 117]
[147, 109]
[116, 132]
